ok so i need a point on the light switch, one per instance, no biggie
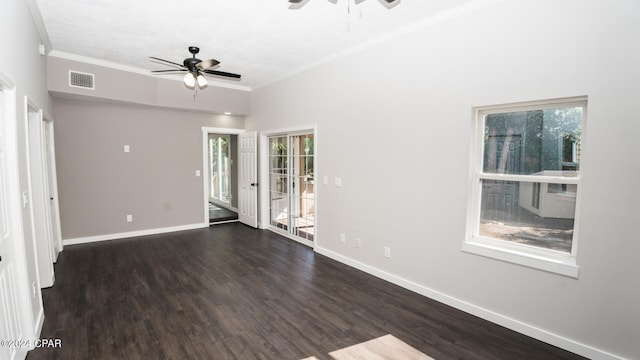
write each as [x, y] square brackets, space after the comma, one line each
[198, 173]
[338, 181]
[325, 180]
[126, 148]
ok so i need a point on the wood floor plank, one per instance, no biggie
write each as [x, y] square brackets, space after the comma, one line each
[233, 292]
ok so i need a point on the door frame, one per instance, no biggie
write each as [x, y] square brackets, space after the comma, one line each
[205, 162]
[231, 150]
[263, 167]
[41, 224]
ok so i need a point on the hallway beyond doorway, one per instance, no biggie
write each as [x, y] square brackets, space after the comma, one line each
[218, 214]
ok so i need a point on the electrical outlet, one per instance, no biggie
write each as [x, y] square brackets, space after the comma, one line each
[129, 218]
[343, 238]
[358, 243]
[387, 252]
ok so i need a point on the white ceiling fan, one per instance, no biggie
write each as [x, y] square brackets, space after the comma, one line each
[297, 4]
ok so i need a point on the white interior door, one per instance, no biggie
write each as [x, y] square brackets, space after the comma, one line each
[52, 188]
[40, 197]
[10, 327]
[248, 179]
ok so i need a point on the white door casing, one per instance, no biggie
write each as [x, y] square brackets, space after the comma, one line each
[248, 179]
[40, 197]
[10, 322]
[206, 180]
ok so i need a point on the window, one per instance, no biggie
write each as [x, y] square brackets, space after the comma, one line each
[526, 181]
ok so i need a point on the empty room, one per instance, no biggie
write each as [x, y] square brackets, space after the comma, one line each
[222, 179]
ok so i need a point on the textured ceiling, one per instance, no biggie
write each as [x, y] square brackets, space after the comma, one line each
[261, 39]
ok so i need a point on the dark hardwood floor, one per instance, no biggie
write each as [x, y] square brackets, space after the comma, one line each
[233, 292]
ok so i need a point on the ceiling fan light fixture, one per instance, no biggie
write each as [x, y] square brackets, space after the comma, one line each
[189, 80]
[202, 81]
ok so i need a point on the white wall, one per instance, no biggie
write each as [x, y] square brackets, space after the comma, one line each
[20, 61]
[394, 121]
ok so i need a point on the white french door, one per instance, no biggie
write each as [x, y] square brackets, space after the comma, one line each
[248, 182]
[291, 185]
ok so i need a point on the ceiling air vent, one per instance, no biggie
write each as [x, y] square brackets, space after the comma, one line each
[81, 80]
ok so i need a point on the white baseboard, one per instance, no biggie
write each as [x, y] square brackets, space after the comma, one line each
[90, 239]
[502, 320]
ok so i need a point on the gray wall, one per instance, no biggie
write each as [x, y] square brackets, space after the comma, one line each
[395, 121]
[99, 184]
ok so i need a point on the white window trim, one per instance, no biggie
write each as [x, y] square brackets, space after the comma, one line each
[530, 256]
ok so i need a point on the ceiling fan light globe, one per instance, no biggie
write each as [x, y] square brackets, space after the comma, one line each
[202, 81]
[189, 80]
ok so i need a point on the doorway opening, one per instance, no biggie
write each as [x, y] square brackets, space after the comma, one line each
[292, 185]
[42, 196]
[223, 189]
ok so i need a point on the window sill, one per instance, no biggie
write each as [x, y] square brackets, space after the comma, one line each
[559, 265]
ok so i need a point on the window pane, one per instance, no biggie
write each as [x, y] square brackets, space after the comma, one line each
[535, 142]
[538, 214]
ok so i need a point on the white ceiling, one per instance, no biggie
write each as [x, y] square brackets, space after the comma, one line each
[261, 39]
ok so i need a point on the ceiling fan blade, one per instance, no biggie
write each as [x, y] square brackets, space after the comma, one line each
[389, 3]
[206, 64]
[297, 4]
[166, 61]
[222, 73]
[170, 70]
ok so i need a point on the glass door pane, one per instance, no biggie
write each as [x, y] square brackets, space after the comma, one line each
[220, 167]
[302, 197]
[279, 181]
[291, 184]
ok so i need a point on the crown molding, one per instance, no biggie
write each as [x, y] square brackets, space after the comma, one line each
[39, 24]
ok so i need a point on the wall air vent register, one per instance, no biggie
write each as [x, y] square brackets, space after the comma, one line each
[81, 80]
